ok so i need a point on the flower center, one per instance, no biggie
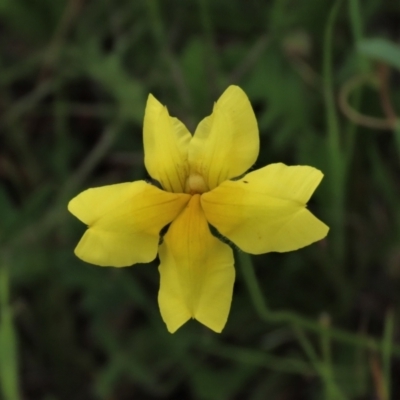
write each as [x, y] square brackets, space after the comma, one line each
[195, 184]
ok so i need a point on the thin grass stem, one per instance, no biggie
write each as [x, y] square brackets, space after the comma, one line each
[9, 384]
[172, 64]
[332, 391]
[333, 139]
[387, 351]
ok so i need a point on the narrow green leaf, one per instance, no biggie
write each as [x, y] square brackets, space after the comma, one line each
[8, 346]
[381, 50]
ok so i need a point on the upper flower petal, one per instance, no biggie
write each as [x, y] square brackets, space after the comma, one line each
[166, 142]
[197, 272]
[124, 222]
[266, 210]
[226, 143]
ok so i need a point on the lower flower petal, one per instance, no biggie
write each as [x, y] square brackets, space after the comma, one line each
[266, 210]
[124, 222]
[197, 272]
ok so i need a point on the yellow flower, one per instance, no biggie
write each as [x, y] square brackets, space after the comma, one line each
[201, 176]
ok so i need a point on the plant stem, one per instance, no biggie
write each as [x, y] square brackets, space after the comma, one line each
[8, 344]
[334, 148]
[291, 318]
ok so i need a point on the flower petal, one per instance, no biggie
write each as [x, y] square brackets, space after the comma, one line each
[197, 272]
[166, 142]
[266, 210]
[226, 143]
[124, 222]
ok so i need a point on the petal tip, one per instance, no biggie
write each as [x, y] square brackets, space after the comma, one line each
[151, 97]
[77, 208]
[152, 104]
[215, 326]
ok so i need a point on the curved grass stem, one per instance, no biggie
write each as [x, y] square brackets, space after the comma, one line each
[288, 317]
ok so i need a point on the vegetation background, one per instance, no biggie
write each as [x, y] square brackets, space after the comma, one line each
[323, 76]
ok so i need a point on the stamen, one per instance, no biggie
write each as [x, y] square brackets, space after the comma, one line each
[195, 184]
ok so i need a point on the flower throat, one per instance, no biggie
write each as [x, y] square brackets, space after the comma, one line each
[195, 184]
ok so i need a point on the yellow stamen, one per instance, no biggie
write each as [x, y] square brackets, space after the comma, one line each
[195, 184]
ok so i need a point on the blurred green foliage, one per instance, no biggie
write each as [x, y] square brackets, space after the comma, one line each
[323, 76]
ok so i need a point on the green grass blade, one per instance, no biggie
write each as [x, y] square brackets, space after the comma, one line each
[8, 344]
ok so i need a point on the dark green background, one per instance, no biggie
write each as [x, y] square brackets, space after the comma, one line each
[74, 78]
